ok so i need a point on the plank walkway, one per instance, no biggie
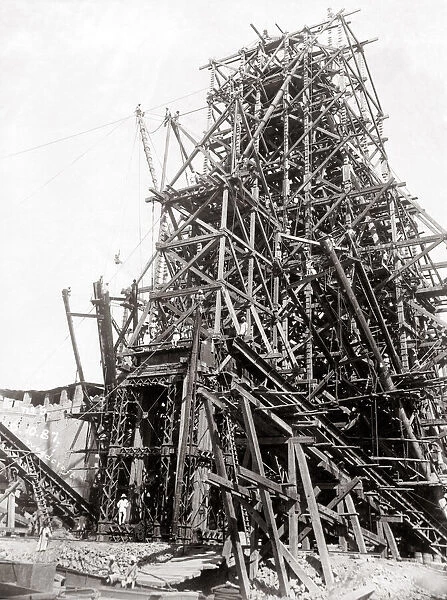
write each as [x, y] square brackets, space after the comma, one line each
[178, 569]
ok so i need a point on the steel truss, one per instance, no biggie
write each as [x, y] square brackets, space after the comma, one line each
[49, 489]
[293, 321]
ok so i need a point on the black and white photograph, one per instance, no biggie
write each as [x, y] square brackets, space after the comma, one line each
[223, 242]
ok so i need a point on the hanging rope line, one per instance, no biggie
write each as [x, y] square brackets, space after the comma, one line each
[116, 239]
[67, 137]
[75, 160]
[134, 250]
[79, 133]
[176, 100]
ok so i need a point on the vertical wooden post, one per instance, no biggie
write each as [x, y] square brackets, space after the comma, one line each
[221, 263]
[342, 541]
[105, 331]
[251, 266]
[186, 423]
[314, 514]
[166, 151]
[74, 345]
[200, 497]
[254, 552]
[11, 521]
[265, 497]
[228, 503]
[355, 524]
[294, 509]
[384, 553]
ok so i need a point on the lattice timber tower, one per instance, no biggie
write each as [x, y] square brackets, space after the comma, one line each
[283, 380]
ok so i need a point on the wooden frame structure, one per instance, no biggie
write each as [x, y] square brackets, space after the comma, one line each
[289, 353]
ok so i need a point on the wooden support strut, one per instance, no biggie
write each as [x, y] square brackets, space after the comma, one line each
[227, 501]
[69, 314]
[294, 509]
[391, 540]
[354, 518]
[314, 515]
[187, 424]
[265, 496]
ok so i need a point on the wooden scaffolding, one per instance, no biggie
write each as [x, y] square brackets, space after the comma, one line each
[280, 384]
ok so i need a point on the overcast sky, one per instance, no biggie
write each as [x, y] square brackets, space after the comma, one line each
[68, 66]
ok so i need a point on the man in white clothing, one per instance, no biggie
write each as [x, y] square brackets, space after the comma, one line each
[123, 505]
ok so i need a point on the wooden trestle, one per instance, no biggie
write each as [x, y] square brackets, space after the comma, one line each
[288, 358]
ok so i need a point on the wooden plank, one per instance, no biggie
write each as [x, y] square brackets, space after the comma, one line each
[235, 488]
[372, 537]
[303, 439]
[277, 421]
[345, 489]
[295, 508]
[363, 593]
[265, 497]
[431, 292]
[185, 420]
[355, 524]
[314, 515]
[221, 263]
[228, 503]
[392, 518]
[342, 541]
[380, 532]
[254, 550]
[391, 540]
[270, 486]
[299, 571]
[187, 241]
[289, 558]
[328, 514]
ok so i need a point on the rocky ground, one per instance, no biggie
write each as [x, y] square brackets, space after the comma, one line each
[390, 579]
[88, 557]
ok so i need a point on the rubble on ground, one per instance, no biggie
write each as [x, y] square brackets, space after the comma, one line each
[392, 580]
[89, 557]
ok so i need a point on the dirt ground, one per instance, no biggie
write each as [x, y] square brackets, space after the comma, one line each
[86, 556]
[391, 580]
[403, 580]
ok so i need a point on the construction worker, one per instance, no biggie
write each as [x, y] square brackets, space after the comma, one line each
[152, 329]
[443, 501]
[347, 175]
[113, 571]
[131, 574]
[176, 337]
[123, 505]
[436, 458]
[35, 524]
[81, 529]
[45, 534]
[243, 327]
[200, 297]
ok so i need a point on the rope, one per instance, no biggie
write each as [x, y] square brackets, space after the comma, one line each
[68, 137]
[75, 160]
[74, 135]
[176, 99]
[116, 239]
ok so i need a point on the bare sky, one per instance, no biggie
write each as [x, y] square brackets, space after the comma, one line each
[72, 65]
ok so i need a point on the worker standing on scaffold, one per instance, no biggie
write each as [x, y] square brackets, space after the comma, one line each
[176, 337]
[123, 505]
